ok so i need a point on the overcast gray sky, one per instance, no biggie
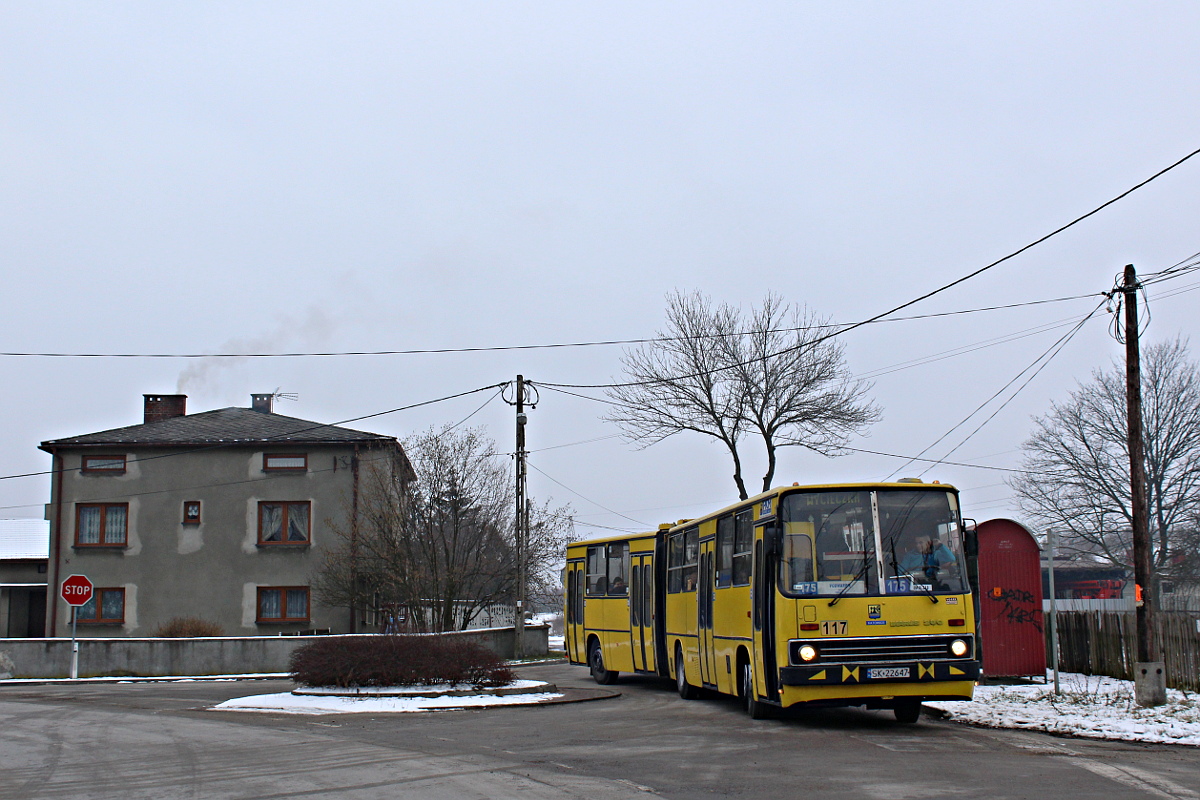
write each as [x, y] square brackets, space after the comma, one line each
[273, 177]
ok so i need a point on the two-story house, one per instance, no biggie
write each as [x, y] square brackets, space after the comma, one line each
[222, 515]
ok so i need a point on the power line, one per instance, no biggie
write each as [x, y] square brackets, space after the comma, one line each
[902, 306]
[590, 500]
[553, 345]
[1043, 359]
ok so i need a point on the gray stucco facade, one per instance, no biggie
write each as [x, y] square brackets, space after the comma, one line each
[223, 516]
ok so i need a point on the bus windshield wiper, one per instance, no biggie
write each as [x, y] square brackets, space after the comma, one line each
[912, 581]
[861, 572]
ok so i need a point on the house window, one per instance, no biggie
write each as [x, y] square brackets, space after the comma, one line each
[285, 462]
[107, 606]
[283, 604]
[191, 512]
[101, 525]
[284, 523]
[105, 465]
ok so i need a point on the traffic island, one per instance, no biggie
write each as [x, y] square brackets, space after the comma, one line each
[408, 699]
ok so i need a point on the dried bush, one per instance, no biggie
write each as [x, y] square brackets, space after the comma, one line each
[391, 660]
[188, 628]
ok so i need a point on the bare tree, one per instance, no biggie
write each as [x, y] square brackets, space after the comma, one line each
[1077, 465]
[716, 372]
[441, 546]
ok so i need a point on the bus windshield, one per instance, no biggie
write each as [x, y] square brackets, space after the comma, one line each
[832, 546]
[922, 542]
[828, 544]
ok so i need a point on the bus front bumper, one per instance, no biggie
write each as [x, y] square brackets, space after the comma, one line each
[900, 672]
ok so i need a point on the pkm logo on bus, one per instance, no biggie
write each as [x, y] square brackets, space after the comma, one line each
[874, 611]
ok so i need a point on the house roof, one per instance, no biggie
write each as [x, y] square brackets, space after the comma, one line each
[223, 426]
[24, 539]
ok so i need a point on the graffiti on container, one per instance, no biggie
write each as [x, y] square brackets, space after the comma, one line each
[1020, 606]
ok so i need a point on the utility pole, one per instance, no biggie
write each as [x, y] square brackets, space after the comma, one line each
[1150, 687]
[522, 525]
[1053, 615]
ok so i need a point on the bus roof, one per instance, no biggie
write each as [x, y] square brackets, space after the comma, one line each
[616, 537]
[817, 487]
[910, 483]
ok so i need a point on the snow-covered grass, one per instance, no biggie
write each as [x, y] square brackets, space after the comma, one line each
[1096, 707]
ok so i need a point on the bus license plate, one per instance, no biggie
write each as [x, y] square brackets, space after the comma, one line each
[879, 673]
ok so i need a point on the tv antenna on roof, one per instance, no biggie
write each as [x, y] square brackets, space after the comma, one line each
[278, 395]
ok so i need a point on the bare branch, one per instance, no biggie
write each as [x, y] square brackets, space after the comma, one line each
[1078, 465]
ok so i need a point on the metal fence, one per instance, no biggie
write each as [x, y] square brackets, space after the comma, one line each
[1105, 643]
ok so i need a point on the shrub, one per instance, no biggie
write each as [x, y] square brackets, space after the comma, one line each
[391, 660]
[188, 628]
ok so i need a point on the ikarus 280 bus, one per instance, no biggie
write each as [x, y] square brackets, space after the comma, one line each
[827, 595]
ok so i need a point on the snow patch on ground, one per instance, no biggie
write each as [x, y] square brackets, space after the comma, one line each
[1093, 706]
[288, 703]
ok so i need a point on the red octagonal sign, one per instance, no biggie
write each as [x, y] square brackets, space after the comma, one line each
[76, 590]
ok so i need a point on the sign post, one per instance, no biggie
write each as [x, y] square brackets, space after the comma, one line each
[76, 591]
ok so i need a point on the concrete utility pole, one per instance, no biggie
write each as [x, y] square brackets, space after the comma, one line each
[522, 524]
[1150, 680]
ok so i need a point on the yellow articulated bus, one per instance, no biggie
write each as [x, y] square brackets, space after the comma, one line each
[834, 595]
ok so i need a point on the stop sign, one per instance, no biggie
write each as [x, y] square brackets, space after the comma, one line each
[76, 590]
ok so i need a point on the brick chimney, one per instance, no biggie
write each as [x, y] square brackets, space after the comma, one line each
[263, 403]
[164, 406]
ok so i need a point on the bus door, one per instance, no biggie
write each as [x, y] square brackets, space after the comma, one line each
[576, 643]
[641, 612]
[763, 613]
[704, 613]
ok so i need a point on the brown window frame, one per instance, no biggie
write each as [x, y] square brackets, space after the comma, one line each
[89, 470]
[98, 596]
[79, 508]
[283, 529]
[267, 462]
[283, 605]
[191, 520]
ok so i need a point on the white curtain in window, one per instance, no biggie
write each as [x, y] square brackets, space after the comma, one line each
[112, 604]
[114, 525]
[89, 525]
[269, 604]
[298, 522]
[272, 522]
[297, 603]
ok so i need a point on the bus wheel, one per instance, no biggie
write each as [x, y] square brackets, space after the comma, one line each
[753, 707]
[907, 711]
[596, 663]
[686, 690]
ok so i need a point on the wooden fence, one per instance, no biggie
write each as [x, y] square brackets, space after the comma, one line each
[1105, 643]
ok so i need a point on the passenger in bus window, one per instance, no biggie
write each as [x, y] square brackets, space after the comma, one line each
[618, 586]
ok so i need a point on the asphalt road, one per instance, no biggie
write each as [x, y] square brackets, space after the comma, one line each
[157, 740]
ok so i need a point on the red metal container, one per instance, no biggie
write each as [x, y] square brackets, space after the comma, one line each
[1011, 624]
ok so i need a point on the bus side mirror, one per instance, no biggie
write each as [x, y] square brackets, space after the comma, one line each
[970, 538]
[770, 537]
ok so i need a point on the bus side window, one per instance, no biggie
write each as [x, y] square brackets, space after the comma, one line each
[743, 542]
[618, 569]
[725, 552]
[675, 564]
[691, 558]
[597, 584]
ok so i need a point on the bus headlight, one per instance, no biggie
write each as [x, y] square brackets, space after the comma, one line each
[959, 648]
[807, 652]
